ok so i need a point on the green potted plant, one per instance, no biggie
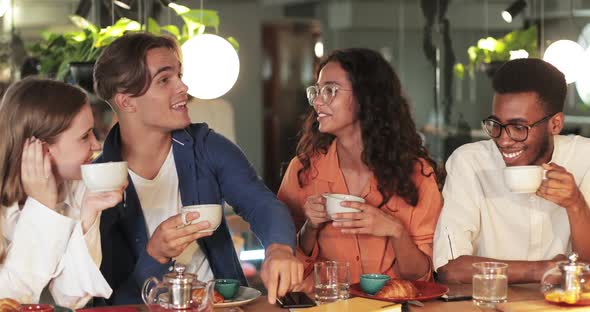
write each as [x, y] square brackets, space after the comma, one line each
[490, 53]
[71, 55]
[56, 51]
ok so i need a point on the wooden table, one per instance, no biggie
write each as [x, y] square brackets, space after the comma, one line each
[515, 293]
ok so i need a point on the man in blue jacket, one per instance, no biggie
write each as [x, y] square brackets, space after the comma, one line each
[173, 163]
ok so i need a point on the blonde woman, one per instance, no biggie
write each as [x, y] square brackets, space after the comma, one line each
[47, 240]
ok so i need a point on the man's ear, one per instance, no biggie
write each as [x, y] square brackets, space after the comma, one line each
[556, 123]
[124, 103]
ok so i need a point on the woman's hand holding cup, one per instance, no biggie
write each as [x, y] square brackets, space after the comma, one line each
[95, 202]
[315, 211]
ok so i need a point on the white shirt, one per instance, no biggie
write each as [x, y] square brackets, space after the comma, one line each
[48, 248]
[481, 217]
[160, 200]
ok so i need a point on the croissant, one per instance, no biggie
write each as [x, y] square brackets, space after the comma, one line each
[9, 305]
[398, 289]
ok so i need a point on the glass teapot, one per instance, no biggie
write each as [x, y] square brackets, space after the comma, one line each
[178, 291]
[568, 282]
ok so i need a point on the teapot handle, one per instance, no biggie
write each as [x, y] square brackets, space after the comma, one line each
[145, 290]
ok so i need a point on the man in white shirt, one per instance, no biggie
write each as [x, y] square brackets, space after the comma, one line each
[481, 219]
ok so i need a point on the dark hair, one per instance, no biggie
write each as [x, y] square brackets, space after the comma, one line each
[391, 145]
[122, 66]
[31, 107]
[533, 75]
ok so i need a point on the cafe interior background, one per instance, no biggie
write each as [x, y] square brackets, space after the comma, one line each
[443, 50]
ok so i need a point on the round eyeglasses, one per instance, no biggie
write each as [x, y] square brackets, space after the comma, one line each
[327, 93]
[517, 132]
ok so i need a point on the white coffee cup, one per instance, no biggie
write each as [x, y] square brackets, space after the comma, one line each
[523, 179]
[333, 204]
[103, 177]
[209, 212]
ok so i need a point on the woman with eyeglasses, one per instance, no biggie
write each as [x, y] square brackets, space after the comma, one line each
[359, 138]
[48, 243]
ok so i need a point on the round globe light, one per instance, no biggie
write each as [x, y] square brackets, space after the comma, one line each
[210, 66]
[318, 49]
[567, 56]
[583, 82]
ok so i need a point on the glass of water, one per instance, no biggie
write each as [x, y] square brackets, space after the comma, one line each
[331, 280]
[490, 283]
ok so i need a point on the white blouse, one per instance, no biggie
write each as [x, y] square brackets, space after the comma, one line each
[48, 249]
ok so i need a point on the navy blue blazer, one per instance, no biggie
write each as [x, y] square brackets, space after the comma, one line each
[211, 169]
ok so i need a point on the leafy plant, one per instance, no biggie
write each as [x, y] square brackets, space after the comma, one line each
[56, 51]
[195, 22]
[489, 50]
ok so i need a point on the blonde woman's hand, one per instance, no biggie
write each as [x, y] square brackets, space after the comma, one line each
[370, 220]
[95, 202]
[37, 174]
[315, 211]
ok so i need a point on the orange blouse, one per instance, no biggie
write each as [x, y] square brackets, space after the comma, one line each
[365, 253]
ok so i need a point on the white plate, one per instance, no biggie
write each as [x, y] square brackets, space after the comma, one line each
[245, 295]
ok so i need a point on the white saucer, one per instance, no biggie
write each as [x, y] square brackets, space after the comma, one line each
[245, 295]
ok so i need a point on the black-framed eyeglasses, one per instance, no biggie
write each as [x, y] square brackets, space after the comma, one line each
[327, 93]
[517, 132]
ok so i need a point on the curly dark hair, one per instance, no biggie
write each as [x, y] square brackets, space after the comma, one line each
[391, 145]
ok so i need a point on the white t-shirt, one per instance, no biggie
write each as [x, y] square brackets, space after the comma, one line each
[160, 200]
[482, 217]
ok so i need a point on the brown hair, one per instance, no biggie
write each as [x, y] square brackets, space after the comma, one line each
[122, 66]
[391, 146]
[31, 107]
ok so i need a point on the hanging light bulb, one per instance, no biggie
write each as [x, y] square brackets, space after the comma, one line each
[583, 82]
[210, 66]
[514, 9]
[122, 4]
[318, 48]
[518, 54]
[567, 56]
[4, 6]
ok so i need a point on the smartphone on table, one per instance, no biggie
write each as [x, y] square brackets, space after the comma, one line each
[296, 299]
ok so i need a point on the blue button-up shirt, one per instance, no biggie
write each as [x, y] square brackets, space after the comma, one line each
[211, 169]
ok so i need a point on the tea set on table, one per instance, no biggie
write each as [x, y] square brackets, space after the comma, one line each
[180, 290]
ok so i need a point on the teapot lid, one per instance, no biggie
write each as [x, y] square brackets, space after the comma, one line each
[179, 277]
[572, 265]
